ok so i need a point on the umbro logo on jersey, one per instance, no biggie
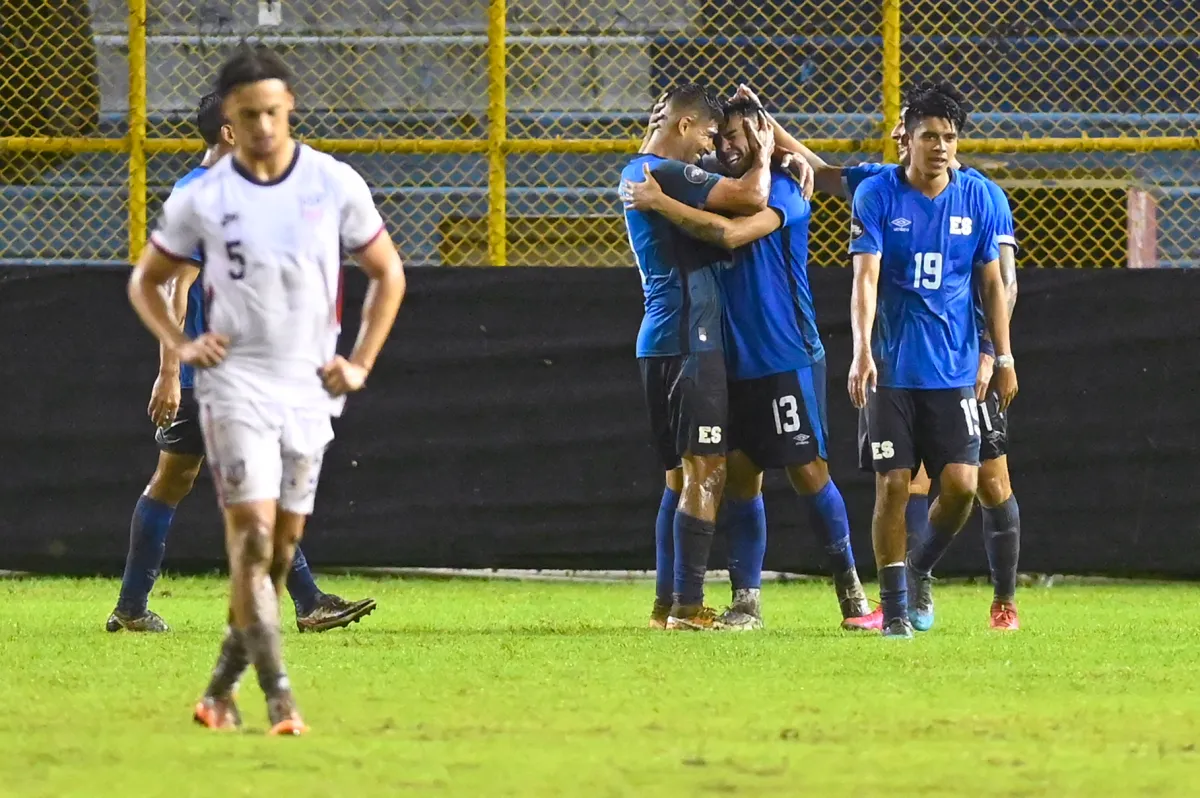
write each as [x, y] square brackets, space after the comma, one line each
[228, 218]
[901, 225]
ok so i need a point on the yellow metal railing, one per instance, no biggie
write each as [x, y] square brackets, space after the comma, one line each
[516, 60]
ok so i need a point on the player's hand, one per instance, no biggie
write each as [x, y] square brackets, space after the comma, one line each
[799, 170]
[205, 351]
[760, 135]
[164, 400]
[644, 196]
[744, 92]
[341, 377]
[658, 114]
[1004, 385]
[983, 377]
[862, 379]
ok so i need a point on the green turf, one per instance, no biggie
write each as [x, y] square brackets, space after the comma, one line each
[482, 689]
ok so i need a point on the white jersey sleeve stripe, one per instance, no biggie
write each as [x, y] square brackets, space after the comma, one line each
[164, 249]
[369, 241]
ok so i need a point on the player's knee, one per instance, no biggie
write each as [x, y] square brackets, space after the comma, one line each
[892, 487]
[253, 540]
[174, 478]
[810, 478]
[994, 486]
[743, 479]
[703, 485]
[675, 479]
[959, 482]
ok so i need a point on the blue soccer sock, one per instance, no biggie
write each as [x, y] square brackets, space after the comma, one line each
[745, 525]
[1002, 540]
[893, 592]
[926, 557]
[827, 516]
[664, 547]
[147, 548]
[693, 542]
[301, 586]
[916, 519]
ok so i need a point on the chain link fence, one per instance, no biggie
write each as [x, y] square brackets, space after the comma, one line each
[402, 89]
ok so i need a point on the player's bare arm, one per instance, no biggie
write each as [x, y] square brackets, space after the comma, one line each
[153, 271]
[166, 395]
[995, 310]
[863, 299]
[749, 193]
[1008, 273]
[383, 266]
[710, 227]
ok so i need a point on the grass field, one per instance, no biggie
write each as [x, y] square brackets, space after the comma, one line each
[524, 689]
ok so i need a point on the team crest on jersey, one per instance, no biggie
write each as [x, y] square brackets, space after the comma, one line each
[695, 174]
[311, 207]
[901, 225]
[856, 228]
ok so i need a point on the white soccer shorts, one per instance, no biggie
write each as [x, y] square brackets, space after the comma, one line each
[265, 452]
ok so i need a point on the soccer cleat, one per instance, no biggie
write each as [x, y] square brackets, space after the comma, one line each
[218, 714]
[1004, 616]
[332, 612]
[694, 618]
[898, 628]
[851, 597]
[745, 612]
[284, 717]
[659, 615]
[920, 601]
[149, 621]
[871, 622]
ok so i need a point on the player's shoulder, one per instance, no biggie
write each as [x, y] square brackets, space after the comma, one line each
[783, 187]
[979, 188]
[883, 181]
[633, 169]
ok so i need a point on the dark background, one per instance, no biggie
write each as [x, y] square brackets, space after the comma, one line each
[504, 427]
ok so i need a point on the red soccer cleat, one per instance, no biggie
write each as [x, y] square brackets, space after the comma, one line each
[1004, 616]
[871, 622]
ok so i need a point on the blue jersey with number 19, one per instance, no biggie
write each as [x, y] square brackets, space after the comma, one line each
[926, 335]
[193, 322]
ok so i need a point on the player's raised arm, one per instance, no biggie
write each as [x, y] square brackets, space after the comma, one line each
[713, 228]
[826, 178]
[363, 229]
[749, 193]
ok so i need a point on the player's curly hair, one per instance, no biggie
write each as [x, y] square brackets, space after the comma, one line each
[934, 99]
[251, 65]
[209, 118]
[700, 100]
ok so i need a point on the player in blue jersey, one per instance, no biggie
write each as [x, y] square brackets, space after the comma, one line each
[181, 453]
[998, 504]
[680, 344]
[923, 240]
[776, 366]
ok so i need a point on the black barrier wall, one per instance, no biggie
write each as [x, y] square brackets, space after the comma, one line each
[504, 427]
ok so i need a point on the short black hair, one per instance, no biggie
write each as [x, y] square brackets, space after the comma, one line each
[209, 118]
[701, 100]
[251, 65]
[934, 99]
[743, 107]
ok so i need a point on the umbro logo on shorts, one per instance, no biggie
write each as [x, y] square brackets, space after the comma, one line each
[801, 438]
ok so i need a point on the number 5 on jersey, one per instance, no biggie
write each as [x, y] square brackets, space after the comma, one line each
[233, 251]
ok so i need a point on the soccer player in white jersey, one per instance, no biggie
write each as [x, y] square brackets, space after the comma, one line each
[272, 219]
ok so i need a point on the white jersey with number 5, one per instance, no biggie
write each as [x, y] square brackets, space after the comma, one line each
[272, 271]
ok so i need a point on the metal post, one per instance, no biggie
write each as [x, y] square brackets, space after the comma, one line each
[497, 133]
[137, 128]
